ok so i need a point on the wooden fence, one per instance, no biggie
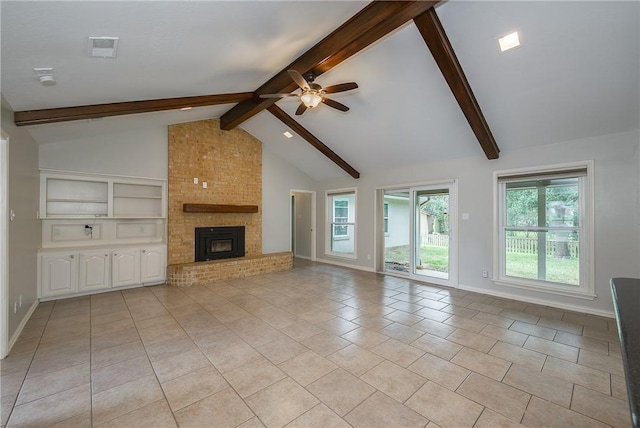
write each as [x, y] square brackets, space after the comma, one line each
[530, 246]
[514, 245]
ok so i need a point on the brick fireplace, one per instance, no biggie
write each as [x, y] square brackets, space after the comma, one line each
[230, 163]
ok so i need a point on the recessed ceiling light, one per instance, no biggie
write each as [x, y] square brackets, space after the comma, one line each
[287, 134]
[509, 41]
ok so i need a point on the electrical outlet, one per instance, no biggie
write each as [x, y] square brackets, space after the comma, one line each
[485, 273]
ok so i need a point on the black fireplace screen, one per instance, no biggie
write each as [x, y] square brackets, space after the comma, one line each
[215, 243]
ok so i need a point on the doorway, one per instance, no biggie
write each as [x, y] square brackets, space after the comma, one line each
[303, 224]
[417, 232]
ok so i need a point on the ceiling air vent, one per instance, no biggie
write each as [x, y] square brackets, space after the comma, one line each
[103, 47]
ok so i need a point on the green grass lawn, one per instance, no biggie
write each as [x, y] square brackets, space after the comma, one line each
[566, 271]
[432, 257]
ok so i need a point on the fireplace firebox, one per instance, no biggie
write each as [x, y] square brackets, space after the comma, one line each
[215, 243]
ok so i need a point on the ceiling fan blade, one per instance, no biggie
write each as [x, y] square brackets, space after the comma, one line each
[300, 81]
[335, 104]
[301, 109]
[278, 95]
[340, 88]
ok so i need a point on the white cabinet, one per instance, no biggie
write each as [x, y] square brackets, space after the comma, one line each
[126, 267]
[59, 274]
[69, 273]
[95, 271]
[153, 264]
[78, 195]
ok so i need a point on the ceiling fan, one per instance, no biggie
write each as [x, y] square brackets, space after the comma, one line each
[313, 94]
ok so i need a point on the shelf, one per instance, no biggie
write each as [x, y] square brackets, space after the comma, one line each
[217, 208]
[90, 201]
[137, 197]
[75, 195]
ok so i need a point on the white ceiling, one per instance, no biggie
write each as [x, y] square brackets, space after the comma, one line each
[577, 73]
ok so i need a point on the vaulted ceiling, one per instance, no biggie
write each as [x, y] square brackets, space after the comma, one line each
[576, 74]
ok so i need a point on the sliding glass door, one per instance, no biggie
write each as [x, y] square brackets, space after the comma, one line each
[418, 225]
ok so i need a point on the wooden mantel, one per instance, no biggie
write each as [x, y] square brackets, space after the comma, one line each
[217, 208]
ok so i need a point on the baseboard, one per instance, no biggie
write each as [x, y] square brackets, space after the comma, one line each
[347, 265]
[24, 321]
[301, 257]
[537, 301]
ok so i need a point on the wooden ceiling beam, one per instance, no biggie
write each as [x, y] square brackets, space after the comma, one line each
[436, 39]
[96, 111]
[304, 133]
[375, 21]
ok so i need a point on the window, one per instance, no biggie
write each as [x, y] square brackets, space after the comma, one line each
[341, 222]
[340, 215]
[544, 229]
[385, 218]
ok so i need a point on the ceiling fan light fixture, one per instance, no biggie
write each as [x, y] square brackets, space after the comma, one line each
[310, 99]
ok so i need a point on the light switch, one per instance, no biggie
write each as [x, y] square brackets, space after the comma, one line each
[465, 216]
[204, 184]
[195, 180]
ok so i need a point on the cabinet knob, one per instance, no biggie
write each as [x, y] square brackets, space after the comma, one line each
[144, 251]
[71, 256]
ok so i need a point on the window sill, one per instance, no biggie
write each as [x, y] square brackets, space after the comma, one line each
[550, 289]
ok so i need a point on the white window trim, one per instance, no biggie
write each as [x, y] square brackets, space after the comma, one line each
[587, 267]
[386, 232]
[329, 224]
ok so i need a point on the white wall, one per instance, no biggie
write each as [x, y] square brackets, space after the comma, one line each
[279, 177]
[24, 231]
[617, 212]
[137, 153]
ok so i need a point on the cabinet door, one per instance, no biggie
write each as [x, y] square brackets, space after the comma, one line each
[59, 274]
[152, 265]
[95, 271]
[125, 267]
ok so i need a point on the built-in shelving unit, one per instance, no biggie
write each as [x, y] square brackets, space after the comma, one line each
[137, 200]
[75, 195]
[100, 232]
[75, 198]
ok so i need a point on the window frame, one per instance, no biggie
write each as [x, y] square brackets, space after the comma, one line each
[586, 287]
[385, 218]
[330, 196]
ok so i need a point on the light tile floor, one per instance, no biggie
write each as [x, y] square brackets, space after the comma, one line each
[317, 346]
